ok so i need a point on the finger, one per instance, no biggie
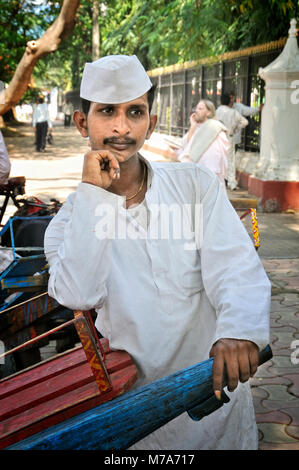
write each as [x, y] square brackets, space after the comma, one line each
[114, 173]
[244, 367]
[253, 361]
[109, 163]
[107, 157]
[218, 367]
[232, 369]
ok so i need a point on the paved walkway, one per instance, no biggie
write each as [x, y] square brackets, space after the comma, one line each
[275, 387]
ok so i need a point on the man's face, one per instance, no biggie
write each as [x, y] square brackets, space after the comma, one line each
[120, 128]
[201, 112]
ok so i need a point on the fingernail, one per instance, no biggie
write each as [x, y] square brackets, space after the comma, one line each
[218, 394]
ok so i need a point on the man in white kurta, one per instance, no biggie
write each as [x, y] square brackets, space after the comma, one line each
[244, 110]
[168, 278]
[234, 122]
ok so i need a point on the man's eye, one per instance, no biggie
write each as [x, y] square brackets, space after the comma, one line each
[136, 112]
[107, 110]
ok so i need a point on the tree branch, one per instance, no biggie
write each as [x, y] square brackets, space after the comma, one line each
[49, 42]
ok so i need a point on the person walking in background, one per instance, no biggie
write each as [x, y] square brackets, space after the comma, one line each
[246, 111]
[41, 123]
[234, 122]
[68, 111]
[206, 143]
[4, 161]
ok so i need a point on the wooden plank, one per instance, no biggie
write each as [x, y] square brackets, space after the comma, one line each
[241, 203]
[23, 283]
[92, 351]
[27, 312]
[43, 386]
[63, 407]
[38, 373]
[117, 360]
[24, 266]
[51, 388]
[40, 393]
[56, 365]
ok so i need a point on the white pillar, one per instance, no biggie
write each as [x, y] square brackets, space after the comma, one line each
[279, 153]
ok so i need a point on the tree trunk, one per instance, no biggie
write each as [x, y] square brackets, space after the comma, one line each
[48, 43]
[95, 30]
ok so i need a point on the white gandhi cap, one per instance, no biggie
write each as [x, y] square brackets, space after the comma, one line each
[114, 79]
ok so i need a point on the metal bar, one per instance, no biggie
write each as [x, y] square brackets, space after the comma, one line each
[245, 214]
[12, 238]
[31, 300]
[23, 248]
[37, 338]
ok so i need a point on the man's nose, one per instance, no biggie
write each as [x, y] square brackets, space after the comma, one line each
[121, 124]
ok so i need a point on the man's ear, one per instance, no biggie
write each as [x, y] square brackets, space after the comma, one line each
[80, 120]
[152, 125]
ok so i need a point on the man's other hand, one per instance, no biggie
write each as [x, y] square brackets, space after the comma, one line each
[239, 357]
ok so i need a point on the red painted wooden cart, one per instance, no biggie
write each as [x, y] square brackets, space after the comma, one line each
[64, 385]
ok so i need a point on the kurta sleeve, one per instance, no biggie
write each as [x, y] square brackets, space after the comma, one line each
[79, 259]
[233, 275]
[246, 110]
[240, 121]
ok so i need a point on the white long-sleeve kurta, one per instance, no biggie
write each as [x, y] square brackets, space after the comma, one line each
[160, 299]
[245, 111]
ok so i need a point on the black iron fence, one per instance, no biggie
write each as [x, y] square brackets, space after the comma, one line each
[179, 89]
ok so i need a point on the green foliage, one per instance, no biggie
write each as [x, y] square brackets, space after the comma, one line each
[163, 32]
[20, 22]
[159, 32]
[255, 22]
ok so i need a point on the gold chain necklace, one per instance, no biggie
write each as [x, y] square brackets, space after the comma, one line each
[141, 186]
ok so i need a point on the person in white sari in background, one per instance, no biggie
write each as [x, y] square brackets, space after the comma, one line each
[206, 143]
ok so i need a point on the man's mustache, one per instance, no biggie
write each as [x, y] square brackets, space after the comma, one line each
[116, 140]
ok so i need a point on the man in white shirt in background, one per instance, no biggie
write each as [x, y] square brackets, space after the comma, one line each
[246, 111]
[234, 122]
[41, 123]
[206, 143]
[170, 298]
[68, 111]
